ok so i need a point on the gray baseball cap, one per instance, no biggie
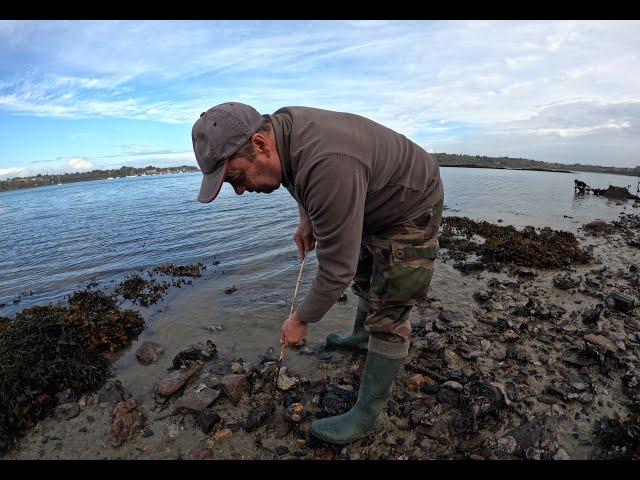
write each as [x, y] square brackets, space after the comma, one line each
[216, 136]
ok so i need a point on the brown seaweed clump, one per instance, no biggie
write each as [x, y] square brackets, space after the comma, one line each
[193, 270]
[48, 349]
[140, 290]
[505, 246]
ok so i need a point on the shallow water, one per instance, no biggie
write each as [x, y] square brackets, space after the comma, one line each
[54, 239]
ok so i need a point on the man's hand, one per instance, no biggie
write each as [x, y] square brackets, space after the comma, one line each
[293, 331]
[305, 241]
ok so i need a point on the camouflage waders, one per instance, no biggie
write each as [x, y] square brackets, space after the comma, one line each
[394, 272]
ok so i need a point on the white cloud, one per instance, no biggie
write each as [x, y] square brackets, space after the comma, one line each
[12, 172]
[80, 163]
[482, 76]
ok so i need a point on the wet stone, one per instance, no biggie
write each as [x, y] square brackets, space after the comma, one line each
[286, 382]
[66, 396]
[534, 434]
[415, 381]
[127, 419]
[294, 412]
[450, 316]
[337, 400]
[196, 352]
[566, 281]
[176, 380]
[282, 450]
[199, 454]
[593, 283]
[197, 397]
[207, 419]
[621, 302]
[524, 272]
[111, 392]
[233, 387]
[592, 315]
[66, 411]
[561, 454]
[550, 311]
[280, 425]
[602, 342]
[149, 352]
[257, 417]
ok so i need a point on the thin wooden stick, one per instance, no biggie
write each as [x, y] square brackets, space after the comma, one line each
[282, 346]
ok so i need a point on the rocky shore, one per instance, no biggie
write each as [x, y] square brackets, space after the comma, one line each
[542, 363]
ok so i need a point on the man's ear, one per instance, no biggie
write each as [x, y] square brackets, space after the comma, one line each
[260, 144]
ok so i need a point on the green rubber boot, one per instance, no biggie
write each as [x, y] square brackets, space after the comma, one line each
[359, 339]
[364, 417]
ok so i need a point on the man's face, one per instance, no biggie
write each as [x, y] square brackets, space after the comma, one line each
[258, 176]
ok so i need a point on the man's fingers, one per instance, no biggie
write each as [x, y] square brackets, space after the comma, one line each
[300, 247]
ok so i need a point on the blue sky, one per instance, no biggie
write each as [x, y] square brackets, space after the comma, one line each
[77, 95]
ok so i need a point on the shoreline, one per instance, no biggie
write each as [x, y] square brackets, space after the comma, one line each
[533, 169]
[518, 369]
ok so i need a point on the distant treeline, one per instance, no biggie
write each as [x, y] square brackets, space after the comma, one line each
[444, 159]
[42, 180]
[450, 160]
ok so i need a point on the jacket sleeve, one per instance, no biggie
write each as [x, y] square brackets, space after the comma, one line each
[333, 192]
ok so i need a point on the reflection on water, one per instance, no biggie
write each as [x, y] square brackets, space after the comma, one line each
[54, 238]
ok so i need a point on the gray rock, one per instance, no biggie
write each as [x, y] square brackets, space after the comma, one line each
[207, 419]
[566, 281]
[176, 380]
[593, 283]
[282, 450]
[620, 302]
[592, 315]
[483, 295]
[257, 417]
[196, 352]
[66, 411]
[111, 392]
[66, 396]
[280, 425]
[450, 316]
[453, 385]
[602, 342]
[507, 444]
[524, 272]
[149, 352]
[561, 454]
[197, 397]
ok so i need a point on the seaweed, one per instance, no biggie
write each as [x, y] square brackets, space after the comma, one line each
[48, 349]
[506, 246]
[139, 290]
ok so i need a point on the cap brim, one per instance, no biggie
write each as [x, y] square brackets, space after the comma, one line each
[211, 184]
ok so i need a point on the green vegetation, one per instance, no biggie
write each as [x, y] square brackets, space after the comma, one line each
[43, 180]
[476, 161]
[444, 159]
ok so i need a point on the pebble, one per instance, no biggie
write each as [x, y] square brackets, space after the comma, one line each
[149, 352]
[453, 385]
